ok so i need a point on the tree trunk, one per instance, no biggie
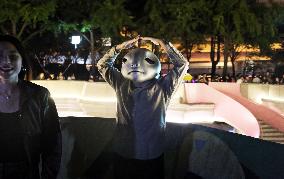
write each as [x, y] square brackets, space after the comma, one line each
[14, 29]
[22, 29]
[233, 68]
[226, 55]
[190, 47]
[218, 49]
[30, 36]
[214, 61]
[212, 57]
[92, 47]
[186, 50]
[233, 59]
[3, 30]
[234, 55]
[213, 69]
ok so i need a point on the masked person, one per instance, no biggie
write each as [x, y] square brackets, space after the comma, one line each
[29, 124]
[142, 100]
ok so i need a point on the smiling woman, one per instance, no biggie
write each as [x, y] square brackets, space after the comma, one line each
[29, 125]
[11, 61]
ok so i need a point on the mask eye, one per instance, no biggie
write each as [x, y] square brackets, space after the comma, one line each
[150, 61]
[124, 60]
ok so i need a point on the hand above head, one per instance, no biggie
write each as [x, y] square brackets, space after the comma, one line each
[127, 44]
[155, 41]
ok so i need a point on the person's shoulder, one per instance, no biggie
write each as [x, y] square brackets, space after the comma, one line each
[33, 86]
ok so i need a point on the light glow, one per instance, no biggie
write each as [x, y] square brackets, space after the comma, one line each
[259, 98]
[75, 40]
[273, 99]
[197, 119]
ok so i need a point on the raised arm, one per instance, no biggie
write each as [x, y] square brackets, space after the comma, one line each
[171, 81]
[105, 64]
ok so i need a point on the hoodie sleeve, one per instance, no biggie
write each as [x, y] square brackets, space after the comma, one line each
[171, 81]
[107, 69]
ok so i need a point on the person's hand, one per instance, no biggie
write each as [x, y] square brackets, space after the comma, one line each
[155, 41]
[127, 44]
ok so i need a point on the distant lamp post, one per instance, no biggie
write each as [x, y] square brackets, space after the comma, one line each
[75, 40]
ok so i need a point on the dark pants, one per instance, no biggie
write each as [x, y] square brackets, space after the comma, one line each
[139, 169]
[15, 170]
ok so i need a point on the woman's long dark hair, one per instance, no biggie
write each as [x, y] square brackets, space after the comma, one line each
[25, 72]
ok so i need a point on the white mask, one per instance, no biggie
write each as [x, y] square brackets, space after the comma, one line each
[140, 65]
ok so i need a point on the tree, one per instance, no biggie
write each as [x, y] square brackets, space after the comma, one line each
[93, 19]
[238, 19]
[215, 46]
[174, 20]
[25, 19]
[257, 27]
[189, 22]
[213, 28]
[152, 22]
[270, 17]
[232, 21]
[235, 52]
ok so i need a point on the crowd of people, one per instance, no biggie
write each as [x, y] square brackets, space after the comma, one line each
[71, 65]
[78, 66]
[260, 78]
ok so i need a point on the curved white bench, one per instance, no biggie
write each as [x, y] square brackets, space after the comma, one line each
[81, 98]
[197, 104]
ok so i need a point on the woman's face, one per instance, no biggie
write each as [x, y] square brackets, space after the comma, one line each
[10, 61]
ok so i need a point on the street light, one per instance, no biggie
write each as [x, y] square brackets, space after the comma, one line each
[75, 40]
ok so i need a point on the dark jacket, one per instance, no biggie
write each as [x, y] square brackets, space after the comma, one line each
[42, 130]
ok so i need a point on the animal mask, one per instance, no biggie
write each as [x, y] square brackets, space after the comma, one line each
[140, 65]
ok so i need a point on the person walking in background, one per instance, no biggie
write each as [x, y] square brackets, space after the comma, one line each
[143, 97]
[29, 124]
[282, 79]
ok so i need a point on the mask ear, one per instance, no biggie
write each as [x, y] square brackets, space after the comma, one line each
[150, 61]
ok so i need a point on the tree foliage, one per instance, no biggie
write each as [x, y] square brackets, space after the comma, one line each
[190, 22]
[93, 19]
[106, 16]
[228, 23]
[174, 20]
[24, 19]
[234, 19]
[153, 23]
